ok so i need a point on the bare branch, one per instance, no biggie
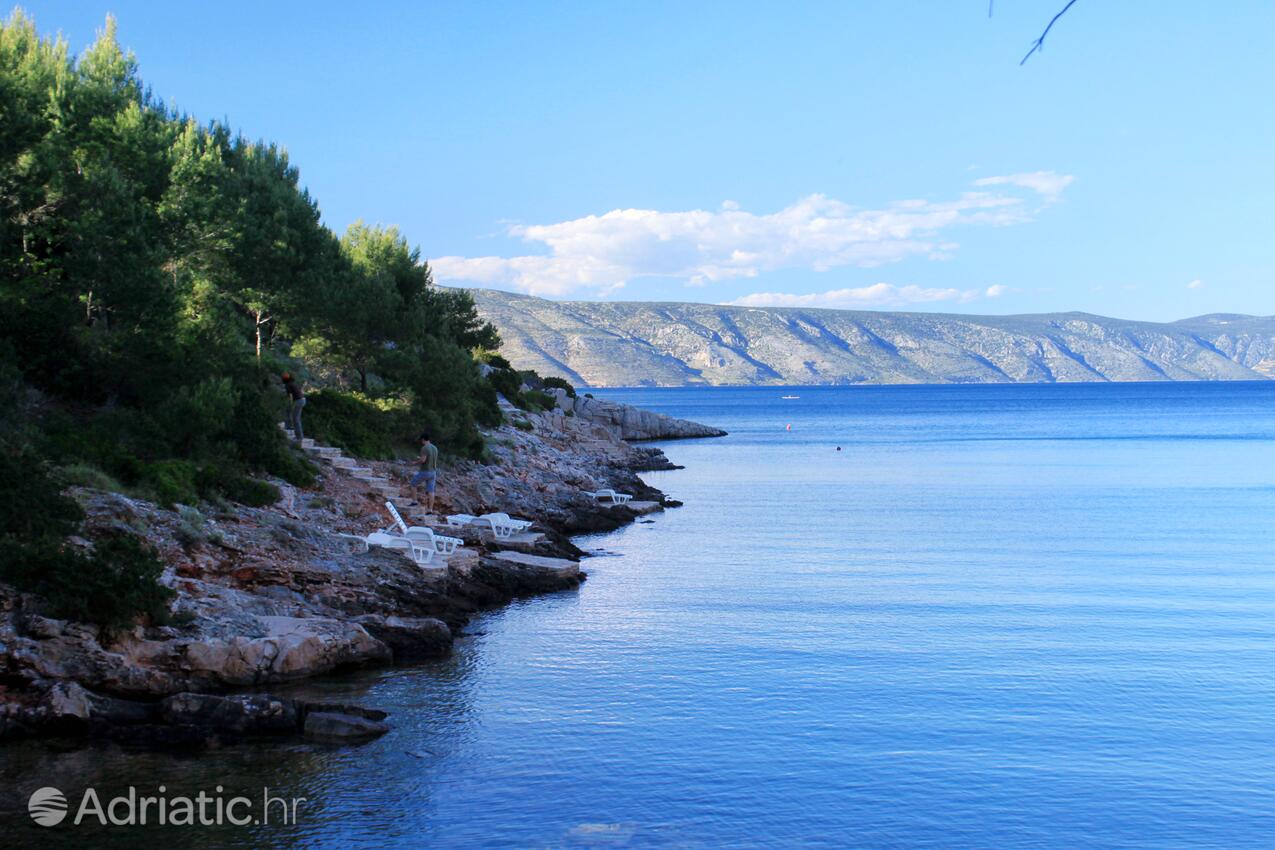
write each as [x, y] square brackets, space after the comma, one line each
[1039, 43]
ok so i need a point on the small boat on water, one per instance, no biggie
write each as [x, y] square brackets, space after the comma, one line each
[790, 396]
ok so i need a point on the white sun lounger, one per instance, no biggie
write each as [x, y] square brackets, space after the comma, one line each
[614, 497]
[420, 535]
[502, 525]
[421, 553]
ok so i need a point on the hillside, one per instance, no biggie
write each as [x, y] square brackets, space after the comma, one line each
[668, 344]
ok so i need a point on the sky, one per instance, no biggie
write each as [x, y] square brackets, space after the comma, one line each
[868, 154]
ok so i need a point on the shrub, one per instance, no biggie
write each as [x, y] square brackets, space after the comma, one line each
[362, 426]
[84, 475]
[111, 586]
[251, 492]
[507, 382]
[491, 358]
[534, 400]
[172, 481]
[523, 425]
[560, 383]
[32, 507]
[190, 525]
[228, 479]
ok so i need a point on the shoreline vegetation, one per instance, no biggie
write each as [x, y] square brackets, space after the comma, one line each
[163, 545]
[268, 595]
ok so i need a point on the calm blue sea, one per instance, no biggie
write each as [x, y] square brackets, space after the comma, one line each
[998, 617]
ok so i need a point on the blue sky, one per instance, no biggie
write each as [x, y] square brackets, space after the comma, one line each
[876, 154]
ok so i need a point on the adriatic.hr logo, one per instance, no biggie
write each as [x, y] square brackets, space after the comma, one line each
[48, 806]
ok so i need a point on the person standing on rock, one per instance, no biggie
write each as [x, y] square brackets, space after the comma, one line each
[297, 401]
[428, 475]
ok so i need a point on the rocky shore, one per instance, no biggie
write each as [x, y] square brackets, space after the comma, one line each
[270, 595]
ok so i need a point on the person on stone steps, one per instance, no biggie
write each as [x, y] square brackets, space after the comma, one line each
[428, 475]
[297, 401]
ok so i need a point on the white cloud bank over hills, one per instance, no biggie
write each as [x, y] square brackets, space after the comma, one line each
[876, 295]
[601, 253]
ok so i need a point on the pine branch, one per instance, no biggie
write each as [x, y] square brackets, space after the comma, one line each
[1039, 43]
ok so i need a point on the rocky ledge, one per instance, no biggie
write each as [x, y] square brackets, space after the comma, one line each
[265, 596]
[626, 422]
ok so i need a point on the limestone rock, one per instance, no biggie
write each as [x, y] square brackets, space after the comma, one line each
[238, 714]
[409, 638]
[344, 728]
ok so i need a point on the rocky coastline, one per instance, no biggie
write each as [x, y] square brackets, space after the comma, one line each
[272, 595]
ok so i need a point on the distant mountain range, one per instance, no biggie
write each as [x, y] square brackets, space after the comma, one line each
[666, 344]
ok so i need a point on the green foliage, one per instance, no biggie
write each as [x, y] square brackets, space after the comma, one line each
[491, 358]
[228, 480]
[251, 492]
[523, 425]
[507, 382]
[172, 481]
[154, 272]
[111, 586]
[85, 475]
[360, 425]
[559, 383]
[32, 507]
[535, 400]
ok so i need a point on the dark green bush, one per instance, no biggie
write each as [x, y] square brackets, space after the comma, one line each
[32, 507]
[559, 383]
[172, 481]
[111, 586]
[507, 382]
[251, 492]
[523, 425]
[535, 400]
[362, 426]
[228, 480]
[492, 359]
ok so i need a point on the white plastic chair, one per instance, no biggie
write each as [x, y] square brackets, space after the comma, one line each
[502, 525]
[614, 497]
[421, 535]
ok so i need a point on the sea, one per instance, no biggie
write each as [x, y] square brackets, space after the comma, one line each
[1007, 616]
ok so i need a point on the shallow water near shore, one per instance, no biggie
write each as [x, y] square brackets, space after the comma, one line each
[999, 616]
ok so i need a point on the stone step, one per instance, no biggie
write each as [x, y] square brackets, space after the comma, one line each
[558, 566]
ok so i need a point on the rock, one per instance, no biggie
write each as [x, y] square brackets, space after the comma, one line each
[409, 638]
[125, 712]
[238, 714]
[293, 648]
[344, 728]
[346, 708]
[43, 627]
[631, 423]
[68, 701]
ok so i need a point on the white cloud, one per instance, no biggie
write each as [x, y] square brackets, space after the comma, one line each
[996, 290]
[876, 295]
[600, 253]
[1195, 284]
[1048, 184]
